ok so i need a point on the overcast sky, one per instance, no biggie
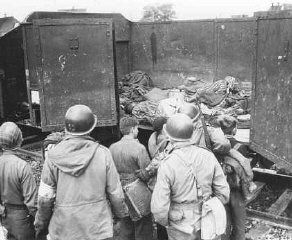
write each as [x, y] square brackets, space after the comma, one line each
[132, 9]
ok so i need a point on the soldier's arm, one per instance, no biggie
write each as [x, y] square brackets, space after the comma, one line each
[220, 143]
[114, 188]
[29, 189]
[46, 196]
[143, 157]
[152, 145]
[220, 186]
[160, 201]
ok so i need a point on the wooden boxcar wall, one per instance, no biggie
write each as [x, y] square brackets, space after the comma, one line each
[206, 49]
[252, 50]
[14, 84]
[271, 133]
[122, 28]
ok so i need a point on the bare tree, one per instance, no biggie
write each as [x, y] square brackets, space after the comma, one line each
[159, 13]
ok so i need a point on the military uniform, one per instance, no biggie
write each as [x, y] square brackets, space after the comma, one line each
[78, 179]
[130, 156]
[18, 191]
[188, 176]
[219, 143]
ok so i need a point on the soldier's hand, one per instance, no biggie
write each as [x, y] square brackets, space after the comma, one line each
[143, 175]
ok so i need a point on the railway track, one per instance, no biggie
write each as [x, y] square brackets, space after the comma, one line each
[270, 210]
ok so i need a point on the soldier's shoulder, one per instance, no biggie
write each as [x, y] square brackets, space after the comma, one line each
[18, 160]
[169, 159]
[103, 148]
[140, 145]
[202, 149]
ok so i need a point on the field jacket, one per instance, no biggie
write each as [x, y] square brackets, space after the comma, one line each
[189, 175]
[129, 156]
[17, 183]
[80, 177]
[220, 143]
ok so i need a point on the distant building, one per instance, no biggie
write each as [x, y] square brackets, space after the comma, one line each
[74, 10]
[7, 24]
[287, 6]
[278, 10]
[239, 16]
[277, 7]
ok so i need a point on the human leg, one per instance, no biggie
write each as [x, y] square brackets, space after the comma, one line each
[144, 228]
[126, 230]
[227, 234]
[19, 224]
[175, 234]
[161, 232]
[238, 215]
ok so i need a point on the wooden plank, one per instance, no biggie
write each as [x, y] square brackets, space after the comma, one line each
[29, 153]
[33, 145]
[271, 172]
[269, 217]
[259, 188]
[258, 232]
[281, 204]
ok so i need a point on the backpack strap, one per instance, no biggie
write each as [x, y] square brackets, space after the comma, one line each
[194, 171]
[206, 134]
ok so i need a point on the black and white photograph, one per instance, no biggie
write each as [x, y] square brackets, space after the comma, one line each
[145, 120]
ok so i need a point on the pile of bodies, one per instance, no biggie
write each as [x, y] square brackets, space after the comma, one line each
[139, 97]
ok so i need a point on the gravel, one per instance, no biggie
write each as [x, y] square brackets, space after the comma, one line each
[268, 195]
[277, 233]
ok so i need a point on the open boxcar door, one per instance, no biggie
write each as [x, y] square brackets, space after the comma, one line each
[271, 133]
[75, 66]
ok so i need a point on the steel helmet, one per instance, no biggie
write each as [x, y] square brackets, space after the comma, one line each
[79, 120]
[10, 135]
[190, 110]
[179, 128]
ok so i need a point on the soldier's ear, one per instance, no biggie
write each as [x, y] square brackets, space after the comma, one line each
[133, 129]
[234, 130]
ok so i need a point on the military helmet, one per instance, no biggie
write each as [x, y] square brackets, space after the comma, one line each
[10, 136]
[79, 120]
[191, 110]
[179, 127]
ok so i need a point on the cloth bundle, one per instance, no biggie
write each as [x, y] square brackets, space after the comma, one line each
[146, 111]
[134, 85]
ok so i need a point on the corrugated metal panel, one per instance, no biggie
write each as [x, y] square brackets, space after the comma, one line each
[75, 66]
[271, 133]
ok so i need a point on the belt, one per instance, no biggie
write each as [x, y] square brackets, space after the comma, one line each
[127, 178]
[186, 205]
[15, 206]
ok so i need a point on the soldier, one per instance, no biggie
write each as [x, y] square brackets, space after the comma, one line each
[18, 190]
[186, 178]
[203, 135]
[239, 176]
[155, 144]
[131, 156]
[78, 177]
